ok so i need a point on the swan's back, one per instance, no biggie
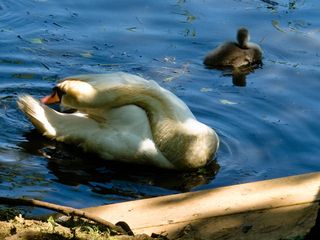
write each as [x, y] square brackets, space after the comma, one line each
[109, 80]
[112, 87]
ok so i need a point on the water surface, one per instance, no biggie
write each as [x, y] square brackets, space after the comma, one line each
[269, 128]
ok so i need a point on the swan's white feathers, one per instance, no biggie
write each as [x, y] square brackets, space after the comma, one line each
[125, 117]
[37, 115]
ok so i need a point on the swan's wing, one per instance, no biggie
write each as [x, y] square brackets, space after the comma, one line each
[121, 134]
[54, 124]
[37, 114]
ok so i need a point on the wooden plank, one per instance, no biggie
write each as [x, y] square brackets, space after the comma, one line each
[278, 206]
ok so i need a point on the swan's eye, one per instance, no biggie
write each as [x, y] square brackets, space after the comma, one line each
[58, 91]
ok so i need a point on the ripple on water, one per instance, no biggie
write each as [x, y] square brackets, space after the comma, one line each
[259, 130]
[12, 19]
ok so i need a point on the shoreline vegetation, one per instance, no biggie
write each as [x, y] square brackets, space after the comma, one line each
[77, 225]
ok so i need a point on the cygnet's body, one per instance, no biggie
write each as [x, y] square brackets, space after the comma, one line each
[124, 117]
[235, 54]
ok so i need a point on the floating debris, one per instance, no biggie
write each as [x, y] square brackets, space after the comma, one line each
[132, 29]
[227, 102]
[45, 66]
[276, 25]
[86, 54]
[37, 40]
[204, 89]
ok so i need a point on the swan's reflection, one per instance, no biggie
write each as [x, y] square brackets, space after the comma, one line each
[71, 166]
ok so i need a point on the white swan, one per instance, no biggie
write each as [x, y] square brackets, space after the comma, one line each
[235, 54]
[124, 117]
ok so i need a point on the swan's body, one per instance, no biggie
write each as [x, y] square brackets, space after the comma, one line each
[124, 117]
[235, 54]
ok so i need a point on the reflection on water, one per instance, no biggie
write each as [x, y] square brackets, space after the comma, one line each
[269, 128]
[239, 78]
[238, 74]
[71, 166]
[288, 5]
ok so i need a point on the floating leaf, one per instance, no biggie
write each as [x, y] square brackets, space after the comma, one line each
[191, 18]
[206, 89]
[168, 79]
[227, 102]
[37, 40]
[86, 54]
[276, 25]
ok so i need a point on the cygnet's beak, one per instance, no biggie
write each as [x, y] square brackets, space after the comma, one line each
[53, 98]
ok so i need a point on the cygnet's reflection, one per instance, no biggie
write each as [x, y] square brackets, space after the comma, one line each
[239, 75]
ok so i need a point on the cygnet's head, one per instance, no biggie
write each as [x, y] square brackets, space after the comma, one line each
[243, 37]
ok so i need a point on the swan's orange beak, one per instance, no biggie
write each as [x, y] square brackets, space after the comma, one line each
[53, 98]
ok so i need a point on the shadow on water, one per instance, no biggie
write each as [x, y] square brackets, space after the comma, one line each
[71, 166]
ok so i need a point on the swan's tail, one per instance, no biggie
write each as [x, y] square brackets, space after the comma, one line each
[37, 114]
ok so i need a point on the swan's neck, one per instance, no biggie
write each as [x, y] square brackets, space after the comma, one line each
[159, 103]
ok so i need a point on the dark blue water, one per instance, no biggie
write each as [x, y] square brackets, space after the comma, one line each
[269, 128]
